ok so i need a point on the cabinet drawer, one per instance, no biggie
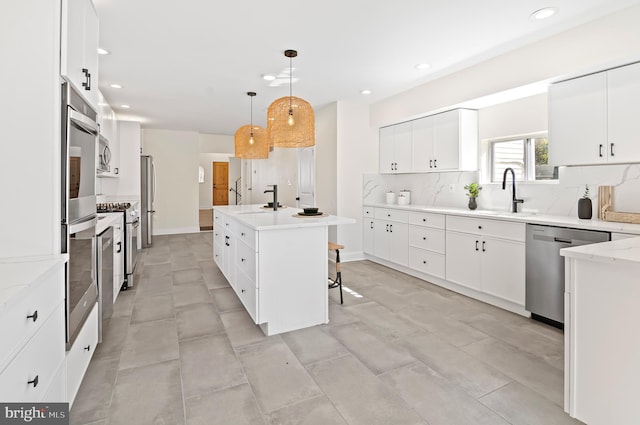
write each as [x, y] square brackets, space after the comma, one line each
[247, 291]
[392, 215]
[218, 236]
[246, 235]
[427, 219]
[16, 327]
[427, 262]
[218, 255]
[368, 212]
[426, 238]
[38, 360]
[218, 218]
[478, 226]
[80, 354]
[246, 259]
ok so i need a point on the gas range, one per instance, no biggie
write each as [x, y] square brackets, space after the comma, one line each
[113, 207]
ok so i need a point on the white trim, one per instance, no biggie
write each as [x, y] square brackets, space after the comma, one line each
[176, 230]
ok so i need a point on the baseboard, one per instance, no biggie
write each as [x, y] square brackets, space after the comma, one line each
[176, 231]
[345, 257]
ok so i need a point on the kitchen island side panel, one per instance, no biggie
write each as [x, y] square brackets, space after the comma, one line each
[292, 278]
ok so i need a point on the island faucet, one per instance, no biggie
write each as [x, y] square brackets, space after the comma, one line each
[275, 195]
[514, 201]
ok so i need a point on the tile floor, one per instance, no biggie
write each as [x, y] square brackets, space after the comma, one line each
[180, 349]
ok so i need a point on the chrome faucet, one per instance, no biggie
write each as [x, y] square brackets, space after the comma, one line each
[275, 195]
[514, 201]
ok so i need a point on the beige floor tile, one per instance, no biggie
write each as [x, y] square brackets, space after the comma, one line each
[241, 330]
[459, 367]
[187, 275]
[150, 342]
[148, 395]
[383, 321]
[524, 367]
[436, 399]
[196, 320]
[113, 337]
[208, 364]
[522, 406]
[378, 354]
[359, 396]
[123, 306]
[93, 400]
[451, 330]
[190, 293]
[231, 406]
[276, 376]
[315, 411]
[155, 307]
[153, 285]
[313, 344]
[225, 299]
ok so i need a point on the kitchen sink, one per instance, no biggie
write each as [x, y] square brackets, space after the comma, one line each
[503, 213]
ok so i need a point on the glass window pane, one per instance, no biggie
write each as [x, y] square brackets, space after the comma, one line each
[544, 168]
[508, 154]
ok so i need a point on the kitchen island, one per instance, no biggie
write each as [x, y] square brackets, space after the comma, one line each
[602, 346]
[276, 262]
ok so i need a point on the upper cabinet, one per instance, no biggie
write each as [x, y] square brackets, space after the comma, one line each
[79, 49]
[442, 142]
[591, 118]
[446, 141]
[395, 148]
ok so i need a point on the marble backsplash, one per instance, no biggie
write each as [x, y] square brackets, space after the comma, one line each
[557, 198]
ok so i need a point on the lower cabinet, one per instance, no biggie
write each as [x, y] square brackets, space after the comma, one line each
[368, 236]
[118, 258]
[80, 354]
[391, 241]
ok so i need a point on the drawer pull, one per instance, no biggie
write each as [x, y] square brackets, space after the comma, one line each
[34, 316]
[88, 347]
[424, 238]
[242, 259]
[480, 227]
[34, 382]
[424, 261]
[424, 220]
[388, 215]
[242, 234]
[243, 291]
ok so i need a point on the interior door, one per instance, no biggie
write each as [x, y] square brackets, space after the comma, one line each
[306, 177]
[220, 183]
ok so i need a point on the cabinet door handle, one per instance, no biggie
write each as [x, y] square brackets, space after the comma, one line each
[476, 245]
[87, 348]
[242, 234]
[33, 316]
[435, 163]
[431, 163]
[372, 225]
[87, 76]
[600, 150]
[119, 247]
[391, 228]
[611, 149]
[242, 260]
[34, 382]
[243, 291]
[483, 242]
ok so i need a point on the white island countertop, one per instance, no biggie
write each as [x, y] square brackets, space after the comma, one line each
[624, 250]
[259, 217]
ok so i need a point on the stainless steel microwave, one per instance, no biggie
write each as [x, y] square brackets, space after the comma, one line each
[104, 155]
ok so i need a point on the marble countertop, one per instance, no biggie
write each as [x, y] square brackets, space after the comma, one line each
[259, 218]
[19, 273]
[525, 217]
[624, 250]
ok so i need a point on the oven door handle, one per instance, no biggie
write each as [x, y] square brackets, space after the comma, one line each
[85, 224]
[84, 122]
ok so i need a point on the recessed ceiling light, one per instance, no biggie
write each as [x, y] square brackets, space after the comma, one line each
[115, 86]
[365, 92]
[125, 106]
[544, 13]
[268, 77]
[102, 51]
[423, 66]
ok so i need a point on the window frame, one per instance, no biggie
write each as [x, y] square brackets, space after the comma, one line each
[529, 171]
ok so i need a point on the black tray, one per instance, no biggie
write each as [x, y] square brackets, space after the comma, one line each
[311, 214]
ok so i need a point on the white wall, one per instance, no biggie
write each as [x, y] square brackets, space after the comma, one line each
[326, 158]
[216, 143]
[176, 157]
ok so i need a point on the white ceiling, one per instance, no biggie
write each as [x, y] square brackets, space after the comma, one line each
[187, 65]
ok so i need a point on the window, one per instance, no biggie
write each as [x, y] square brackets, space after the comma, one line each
[527, 156]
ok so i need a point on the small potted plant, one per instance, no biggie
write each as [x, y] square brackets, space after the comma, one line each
[473, 190]
[585, 209]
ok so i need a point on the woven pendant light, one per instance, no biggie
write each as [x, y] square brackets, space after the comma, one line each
[251, 140]
[290, 120]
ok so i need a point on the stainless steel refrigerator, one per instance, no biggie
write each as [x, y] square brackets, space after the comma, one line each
[147, 197]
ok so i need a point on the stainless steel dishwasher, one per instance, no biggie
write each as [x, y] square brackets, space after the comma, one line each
[545, 268]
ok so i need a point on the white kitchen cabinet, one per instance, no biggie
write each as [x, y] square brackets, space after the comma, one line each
[395, 148]
[224, 245]
[391, 241]
[80, 353]
[446, 141]
[118, 257]
[79, 48]
[368, 232]
[32, 322]
[488, 256]
[591, 118]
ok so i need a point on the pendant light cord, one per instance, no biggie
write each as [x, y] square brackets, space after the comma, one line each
[290, 85]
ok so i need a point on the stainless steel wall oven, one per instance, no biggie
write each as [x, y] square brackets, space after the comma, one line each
[78, 203]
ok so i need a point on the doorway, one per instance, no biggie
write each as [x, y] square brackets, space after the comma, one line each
[220, 179]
